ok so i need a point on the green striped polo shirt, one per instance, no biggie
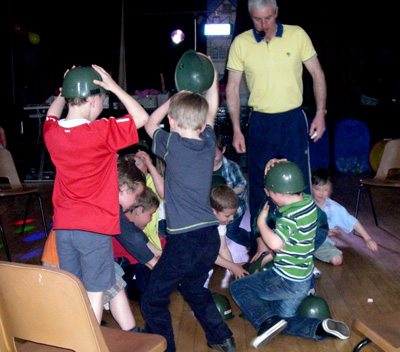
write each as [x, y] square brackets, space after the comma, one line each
[296, 228]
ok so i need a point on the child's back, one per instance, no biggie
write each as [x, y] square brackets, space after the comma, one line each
[193, 241]
[187, 179]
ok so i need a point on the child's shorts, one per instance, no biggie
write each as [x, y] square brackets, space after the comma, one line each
[113, 291]
[326, 252]
[89, 256]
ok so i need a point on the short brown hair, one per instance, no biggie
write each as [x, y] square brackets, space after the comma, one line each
[189, 110]
[147, 200]
[129, 174]
[223, 197]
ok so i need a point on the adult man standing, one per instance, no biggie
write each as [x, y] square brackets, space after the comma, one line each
[271, 55]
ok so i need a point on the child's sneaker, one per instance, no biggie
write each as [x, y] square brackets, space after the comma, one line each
[336, 329]
[268, 330]
[317, 272]
[227, 346]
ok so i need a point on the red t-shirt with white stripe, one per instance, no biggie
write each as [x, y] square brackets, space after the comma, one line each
[85, 195]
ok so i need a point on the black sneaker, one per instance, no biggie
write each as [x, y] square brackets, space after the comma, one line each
[336, 329]
[268, 330]
[227, 346]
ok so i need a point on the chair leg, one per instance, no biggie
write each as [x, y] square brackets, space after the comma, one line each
[358, 201]
[28, 204]
[46, 232]
[360, 189]
[3, 236]
[361, 344]
[372, 205]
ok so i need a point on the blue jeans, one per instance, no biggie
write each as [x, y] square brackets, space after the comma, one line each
[186, 260]
[282, 135]
[265, 294]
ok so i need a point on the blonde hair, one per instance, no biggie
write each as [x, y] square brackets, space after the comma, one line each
[189, 110]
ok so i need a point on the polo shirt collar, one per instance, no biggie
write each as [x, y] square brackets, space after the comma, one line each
[279, 32]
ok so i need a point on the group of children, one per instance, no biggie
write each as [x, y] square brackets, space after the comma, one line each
[108, 207]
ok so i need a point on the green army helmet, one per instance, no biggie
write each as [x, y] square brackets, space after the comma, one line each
[256, 266]
[217, 180]
[194, 72]
[78, 83]
[223, 306]
[314, 307]
[285, 177]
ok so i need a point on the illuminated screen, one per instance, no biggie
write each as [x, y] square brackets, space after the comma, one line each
[217, 29]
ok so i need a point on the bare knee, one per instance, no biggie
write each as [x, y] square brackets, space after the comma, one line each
[337, 260]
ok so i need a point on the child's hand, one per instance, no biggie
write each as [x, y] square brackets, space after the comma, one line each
[333, 232]
[238, 271]
[271, 163]
[372, 245]
[144, 157]
[107, 82]
[264, 212]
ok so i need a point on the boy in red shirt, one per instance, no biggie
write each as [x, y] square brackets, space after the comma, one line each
[85, 196]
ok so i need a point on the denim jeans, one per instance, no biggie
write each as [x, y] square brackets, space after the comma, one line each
[186, 260]
[266, 294]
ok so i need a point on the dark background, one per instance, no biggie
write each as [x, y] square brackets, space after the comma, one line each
[357, 46]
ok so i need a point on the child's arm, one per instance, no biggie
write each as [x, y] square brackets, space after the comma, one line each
[157, 178]
[224, 251]
[152, 262]
[57, 106]
[140, 116]
[212, 97]
[236, 269]
[225, 260]
[157, 252]
[271, 239]
[155, 118]
[371, 244]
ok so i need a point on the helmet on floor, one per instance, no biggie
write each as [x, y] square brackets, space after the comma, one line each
[223, 306]
[285, 177]
[194, 72]
[78, 83]
[314, 307]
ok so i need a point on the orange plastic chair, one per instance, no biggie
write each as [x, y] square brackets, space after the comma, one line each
[49, 309]
[16, 189]
[390, 161]
[381, 329]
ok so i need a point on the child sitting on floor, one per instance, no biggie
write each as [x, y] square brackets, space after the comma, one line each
[339, 220]
[224, 203]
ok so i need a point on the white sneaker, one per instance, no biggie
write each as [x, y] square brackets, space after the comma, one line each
[336, 329]
[317, 273]
[268, 330]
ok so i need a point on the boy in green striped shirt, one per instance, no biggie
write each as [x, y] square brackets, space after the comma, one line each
[286, 285]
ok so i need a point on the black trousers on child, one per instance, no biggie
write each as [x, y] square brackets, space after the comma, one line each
[186, 260]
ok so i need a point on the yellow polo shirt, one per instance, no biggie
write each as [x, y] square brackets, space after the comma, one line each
[273, 70]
